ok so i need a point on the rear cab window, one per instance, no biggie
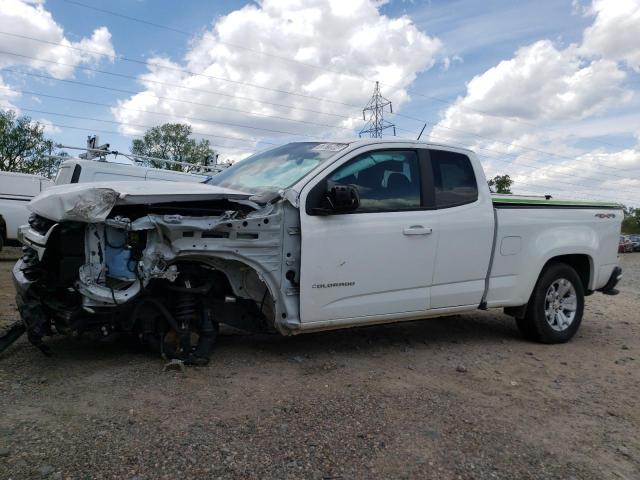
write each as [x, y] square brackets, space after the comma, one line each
[454, 180]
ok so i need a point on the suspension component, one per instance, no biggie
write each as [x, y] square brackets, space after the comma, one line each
[186, 315]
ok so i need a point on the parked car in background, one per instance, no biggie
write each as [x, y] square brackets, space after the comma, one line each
[625, 245]
[16, 190]
[635, 240]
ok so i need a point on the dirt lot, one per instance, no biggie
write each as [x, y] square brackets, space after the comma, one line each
[452, 398]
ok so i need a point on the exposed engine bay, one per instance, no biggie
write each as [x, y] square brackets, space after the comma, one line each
[167, 272]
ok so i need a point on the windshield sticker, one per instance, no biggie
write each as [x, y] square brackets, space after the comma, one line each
[329, 147]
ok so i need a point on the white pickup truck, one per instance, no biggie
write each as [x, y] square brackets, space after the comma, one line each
[306, 237]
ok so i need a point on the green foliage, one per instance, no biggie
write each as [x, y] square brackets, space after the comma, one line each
[500, 184]
[631, 222]
[23, 146]
[172, 141]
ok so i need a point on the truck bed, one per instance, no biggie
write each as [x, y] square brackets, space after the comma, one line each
[587, 231]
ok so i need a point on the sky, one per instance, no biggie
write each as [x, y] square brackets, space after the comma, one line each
[545, 91]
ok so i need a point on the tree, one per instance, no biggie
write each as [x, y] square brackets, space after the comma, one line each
[23, 145]
[500, 184]
[172, 141]
[631, 222]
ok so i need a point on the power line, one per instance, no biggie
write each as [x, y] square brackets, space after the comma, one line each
[99, 130]
[194, 119]
[538, 187]
[158, 82]
[309, 65]
[189, 118]
[175, 69]
[511, 144]
[323, 99]
[480, 156]
[204, 120]
[518, 183]
[539, 169]
[116, 14]
[137, 125]
[292, 133]
[222, 42]
[409, 117]
[515, 156]
[214, 107]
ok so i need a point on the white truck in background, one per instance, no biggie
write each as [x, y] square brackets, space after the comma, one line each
[305, 237]
[17, 189]
[83, 171]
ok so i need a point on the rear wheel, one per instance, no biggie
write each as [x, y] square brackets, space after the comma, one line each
[556, 306]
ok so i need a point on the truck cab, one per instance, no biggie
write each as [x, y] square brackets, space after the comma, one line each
[417, 208]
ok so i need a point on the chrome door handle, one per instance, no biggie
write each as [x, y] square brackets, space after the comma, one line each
[417, 230]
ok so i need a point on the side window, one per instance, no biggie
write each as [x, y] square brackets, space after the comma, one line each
[386, 180]
[453, 178]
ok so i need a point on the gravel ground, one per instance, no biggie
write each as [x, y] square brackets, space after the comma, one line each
[454, 398]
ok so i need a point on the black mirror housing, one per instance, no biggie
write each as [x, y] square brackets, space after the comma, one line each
[338, 199]
[343, 198]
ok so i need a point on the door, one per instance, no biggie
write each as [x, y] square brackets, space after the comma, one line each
[378, 260]
[465, 229]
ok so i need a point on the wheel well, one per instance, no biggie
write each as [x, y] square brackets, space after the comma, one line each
[3, 228]
[580, 263]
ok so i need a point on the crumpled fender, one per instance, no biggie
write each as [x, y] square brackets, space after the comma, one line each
[86, 205]
[92, 202]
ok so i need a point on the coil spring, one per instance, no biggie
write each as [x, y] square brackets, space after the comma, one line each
[186, 311]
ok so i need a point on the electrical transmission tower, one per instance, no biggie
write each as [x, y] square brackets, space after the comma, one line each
[376, 123]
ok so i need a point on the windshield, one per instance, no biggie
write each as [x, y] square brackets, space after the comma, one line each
[276, 168]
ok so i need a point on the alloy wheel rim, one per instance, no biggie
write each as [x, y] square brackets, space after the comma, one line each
[560, 304]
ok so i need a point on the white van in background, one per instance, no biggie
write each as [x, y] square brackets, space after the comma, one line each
[16, 190]
[82, 171]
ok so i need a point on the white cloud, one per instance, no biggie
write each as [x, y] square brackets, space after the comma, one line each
[615, 33]
[522, 113]
[540, 84]
[49, 127]
[29, 18]
[597, 175]
[7, 94]
[340, 36]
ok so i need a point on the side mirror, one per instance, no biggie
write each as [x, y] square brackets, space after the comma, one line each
[339, 199]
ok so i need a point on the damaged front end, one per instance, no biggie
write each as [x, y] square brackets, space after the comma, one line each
[166, 268]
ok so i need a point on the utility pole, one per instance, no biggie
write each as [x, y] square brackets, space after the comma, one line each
[376, 123]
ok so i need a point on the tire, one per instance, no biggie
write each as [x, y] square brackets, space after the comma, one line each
[554, 312]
